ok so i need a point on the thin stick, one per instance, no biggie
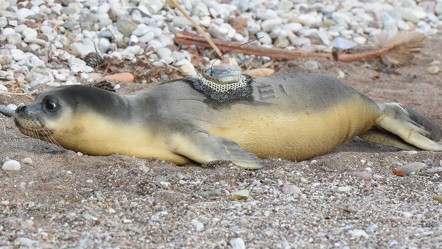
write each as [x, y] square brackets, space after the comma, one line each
[192, 39]
[209, 40]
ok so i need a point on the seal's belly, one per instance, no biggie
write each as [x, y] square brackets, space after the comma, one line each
[95, 135]
[297, 135]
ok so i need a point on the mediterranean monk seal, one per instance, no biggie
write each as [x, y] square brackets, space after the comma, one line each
[291, 116]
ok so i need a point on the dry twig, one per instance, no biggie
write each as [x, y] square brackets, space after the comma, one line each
[396, 50]
[174, 3]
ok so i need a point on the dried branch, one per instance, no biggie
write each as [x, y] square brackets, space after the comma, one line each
[174, 3]
[405, 43]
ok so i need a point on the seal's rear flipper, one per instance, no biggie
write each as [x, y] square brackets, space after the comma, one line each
[412, 127]
[203, 148]
[377, 136]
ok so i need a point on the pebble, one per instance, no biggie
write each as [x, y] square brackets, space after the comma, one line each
[311, 65]
[357, 233]
[240, 195]
[197, 225]
[3, 88]
[343, 43]
[186, 67]
[237, 243]
[291, 189]
[344, 189]
[11, 165]
[409, 168]
[26, 242]
[433, 69]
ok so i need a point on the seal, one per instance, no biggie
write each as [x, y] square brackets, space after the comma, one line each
[291, 116]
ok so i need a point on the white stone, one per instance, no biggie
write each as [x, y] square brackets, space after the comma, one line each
[27, 243]
[294, 27]
[3, 22]
[264, 38]
[8, 31]
[186, 67]
[11, 165]
[344, 189]
[360, 40]
[141, 30]
[23, 13]
[78, 66]
[18, 55]
[197, 225]
[37, 62]
[164, 52]
[29, 33]
[155, 44]
[103, 45]
[27, 160]
[268, 25]
[237, 243]
[357, 233]
[310, 19]
[147, 37]
[3, 88]
[180, 21]
[82, 49]
[343, 43]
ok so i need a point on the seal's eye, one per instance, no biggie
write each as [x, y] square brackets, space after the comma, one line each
[51, 105]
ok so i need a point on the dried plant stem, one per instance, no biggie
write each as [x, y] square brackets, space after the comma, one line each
[174, 3]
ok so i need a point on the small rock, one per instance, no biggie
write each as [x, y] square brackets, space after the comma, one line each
[291, 189]
[409, 168]
[28, 243]
[164, 52]
[237, 243]
[357, 233]
[269, 24]
[89, 217]
[264, 38]
[344, 189]
[343, 43]
[428, 161]
[240, 195]
[125, 26]
[186, 67]
[27, 160]
[311, 65]
[367, 176]
[11, 165]
[82, 49]
[433, 69]
[3, 88]
[198, 225]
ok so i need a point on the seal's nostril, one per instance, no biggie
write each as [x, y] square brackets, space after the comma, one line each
[20, 108]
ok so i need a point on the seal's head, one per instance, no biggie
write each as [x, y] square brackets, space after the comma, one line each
[56, 115]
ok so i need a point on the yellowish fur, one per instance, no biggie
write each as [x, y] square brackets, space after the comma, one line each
[267, 132]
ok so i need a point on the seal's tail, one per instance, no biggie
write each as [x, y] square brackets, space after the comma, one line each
[404, 128]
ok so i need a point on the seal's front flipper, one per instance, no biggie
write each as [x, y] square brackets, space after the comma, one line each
[411, 126]
[203, 148]
[389, 139]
